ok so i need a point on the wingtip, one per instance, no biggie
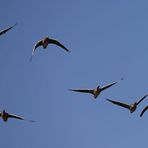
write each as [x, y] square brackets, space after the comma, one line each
[15, 24]
[141, 114]
[68, 51]
[70, 89]
[108, 99]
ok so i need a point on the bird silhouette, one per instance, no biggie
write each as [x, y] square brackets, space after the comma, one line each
[96, 91]
[7, 29]
[143, 111]
[4, 115]
[131, 107]
[45, 41]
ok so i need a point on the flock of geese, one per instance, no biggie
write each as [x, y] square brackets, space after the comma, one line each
[95, 92]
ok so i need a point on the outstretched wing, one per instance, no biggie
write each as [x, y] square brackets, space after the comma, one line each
[143, 111]
[52, 41]
[7, 29]
[18, 117]
[83, 90]
[107, 86]
[39, 43]
[119, 103]
[15, 116]
[142, 99]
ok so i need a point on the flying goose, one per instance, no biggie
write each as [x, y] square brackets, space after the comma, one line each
[131, 107]
[96, 91]
[7, 29]
[4, 115]
[143, 111]
[45, 41]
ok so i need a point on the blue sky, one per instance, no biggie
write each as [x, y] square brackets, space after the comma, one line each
[107, 40]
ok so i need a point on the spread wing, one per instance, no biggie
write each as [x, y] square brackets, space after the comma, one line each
[39, 43]
[107, 86]
[18, 117]
[7, 29]
[143, 111]
[52, 41]
[142, 99]
[15, 116]
[83, 90]
[119, 103]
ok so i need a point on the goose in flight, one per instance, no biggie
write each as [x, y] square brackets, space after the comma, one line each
[96, 91]
[4, 115]
[45, 41]
[7, 29]
[143, 111]
[131, 107]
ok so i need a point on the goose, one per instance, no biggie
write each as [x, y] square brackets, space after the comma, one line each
[131, 107]
[44, 43]
[7, 29]
[96, 91]
[4, 115]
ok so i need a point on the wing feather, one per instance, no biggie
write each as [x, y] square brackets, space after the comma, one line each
[119, 103]
[7, 29]
[39, 43]
[52, 41]
[142, 99]
[15, 116]
[107, 86]
[143, 111]
[83, 90]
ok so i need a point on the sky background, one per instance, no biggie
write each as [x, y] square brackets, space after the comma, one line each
[108, 40]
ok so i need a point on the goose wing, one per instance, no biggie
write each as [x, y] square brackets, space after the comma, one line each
[7, 29]
[119, 103]
[15, 116]
[107, 86]
[53, 41]
[83, 90]
[39, 43]
[143, 111]
[140, 100]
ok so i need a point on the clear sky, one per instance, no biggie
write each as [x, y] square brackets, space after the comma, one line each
[108, 40]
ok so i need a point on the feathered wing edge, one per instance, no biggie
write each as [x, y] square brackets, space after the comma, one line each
[119, 103]
[143, 111]
[7, 29]
[53, 41]
[83, 90]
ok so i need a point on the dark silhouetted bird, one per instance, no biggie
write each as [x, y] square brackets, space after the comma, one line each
[143, 111]
[131, 107]
[7, 29]
[96, 91]
[4, 115]
[45, 41]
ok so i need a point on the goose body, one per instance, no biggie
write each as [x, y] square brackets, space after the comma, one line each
[131, 107]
